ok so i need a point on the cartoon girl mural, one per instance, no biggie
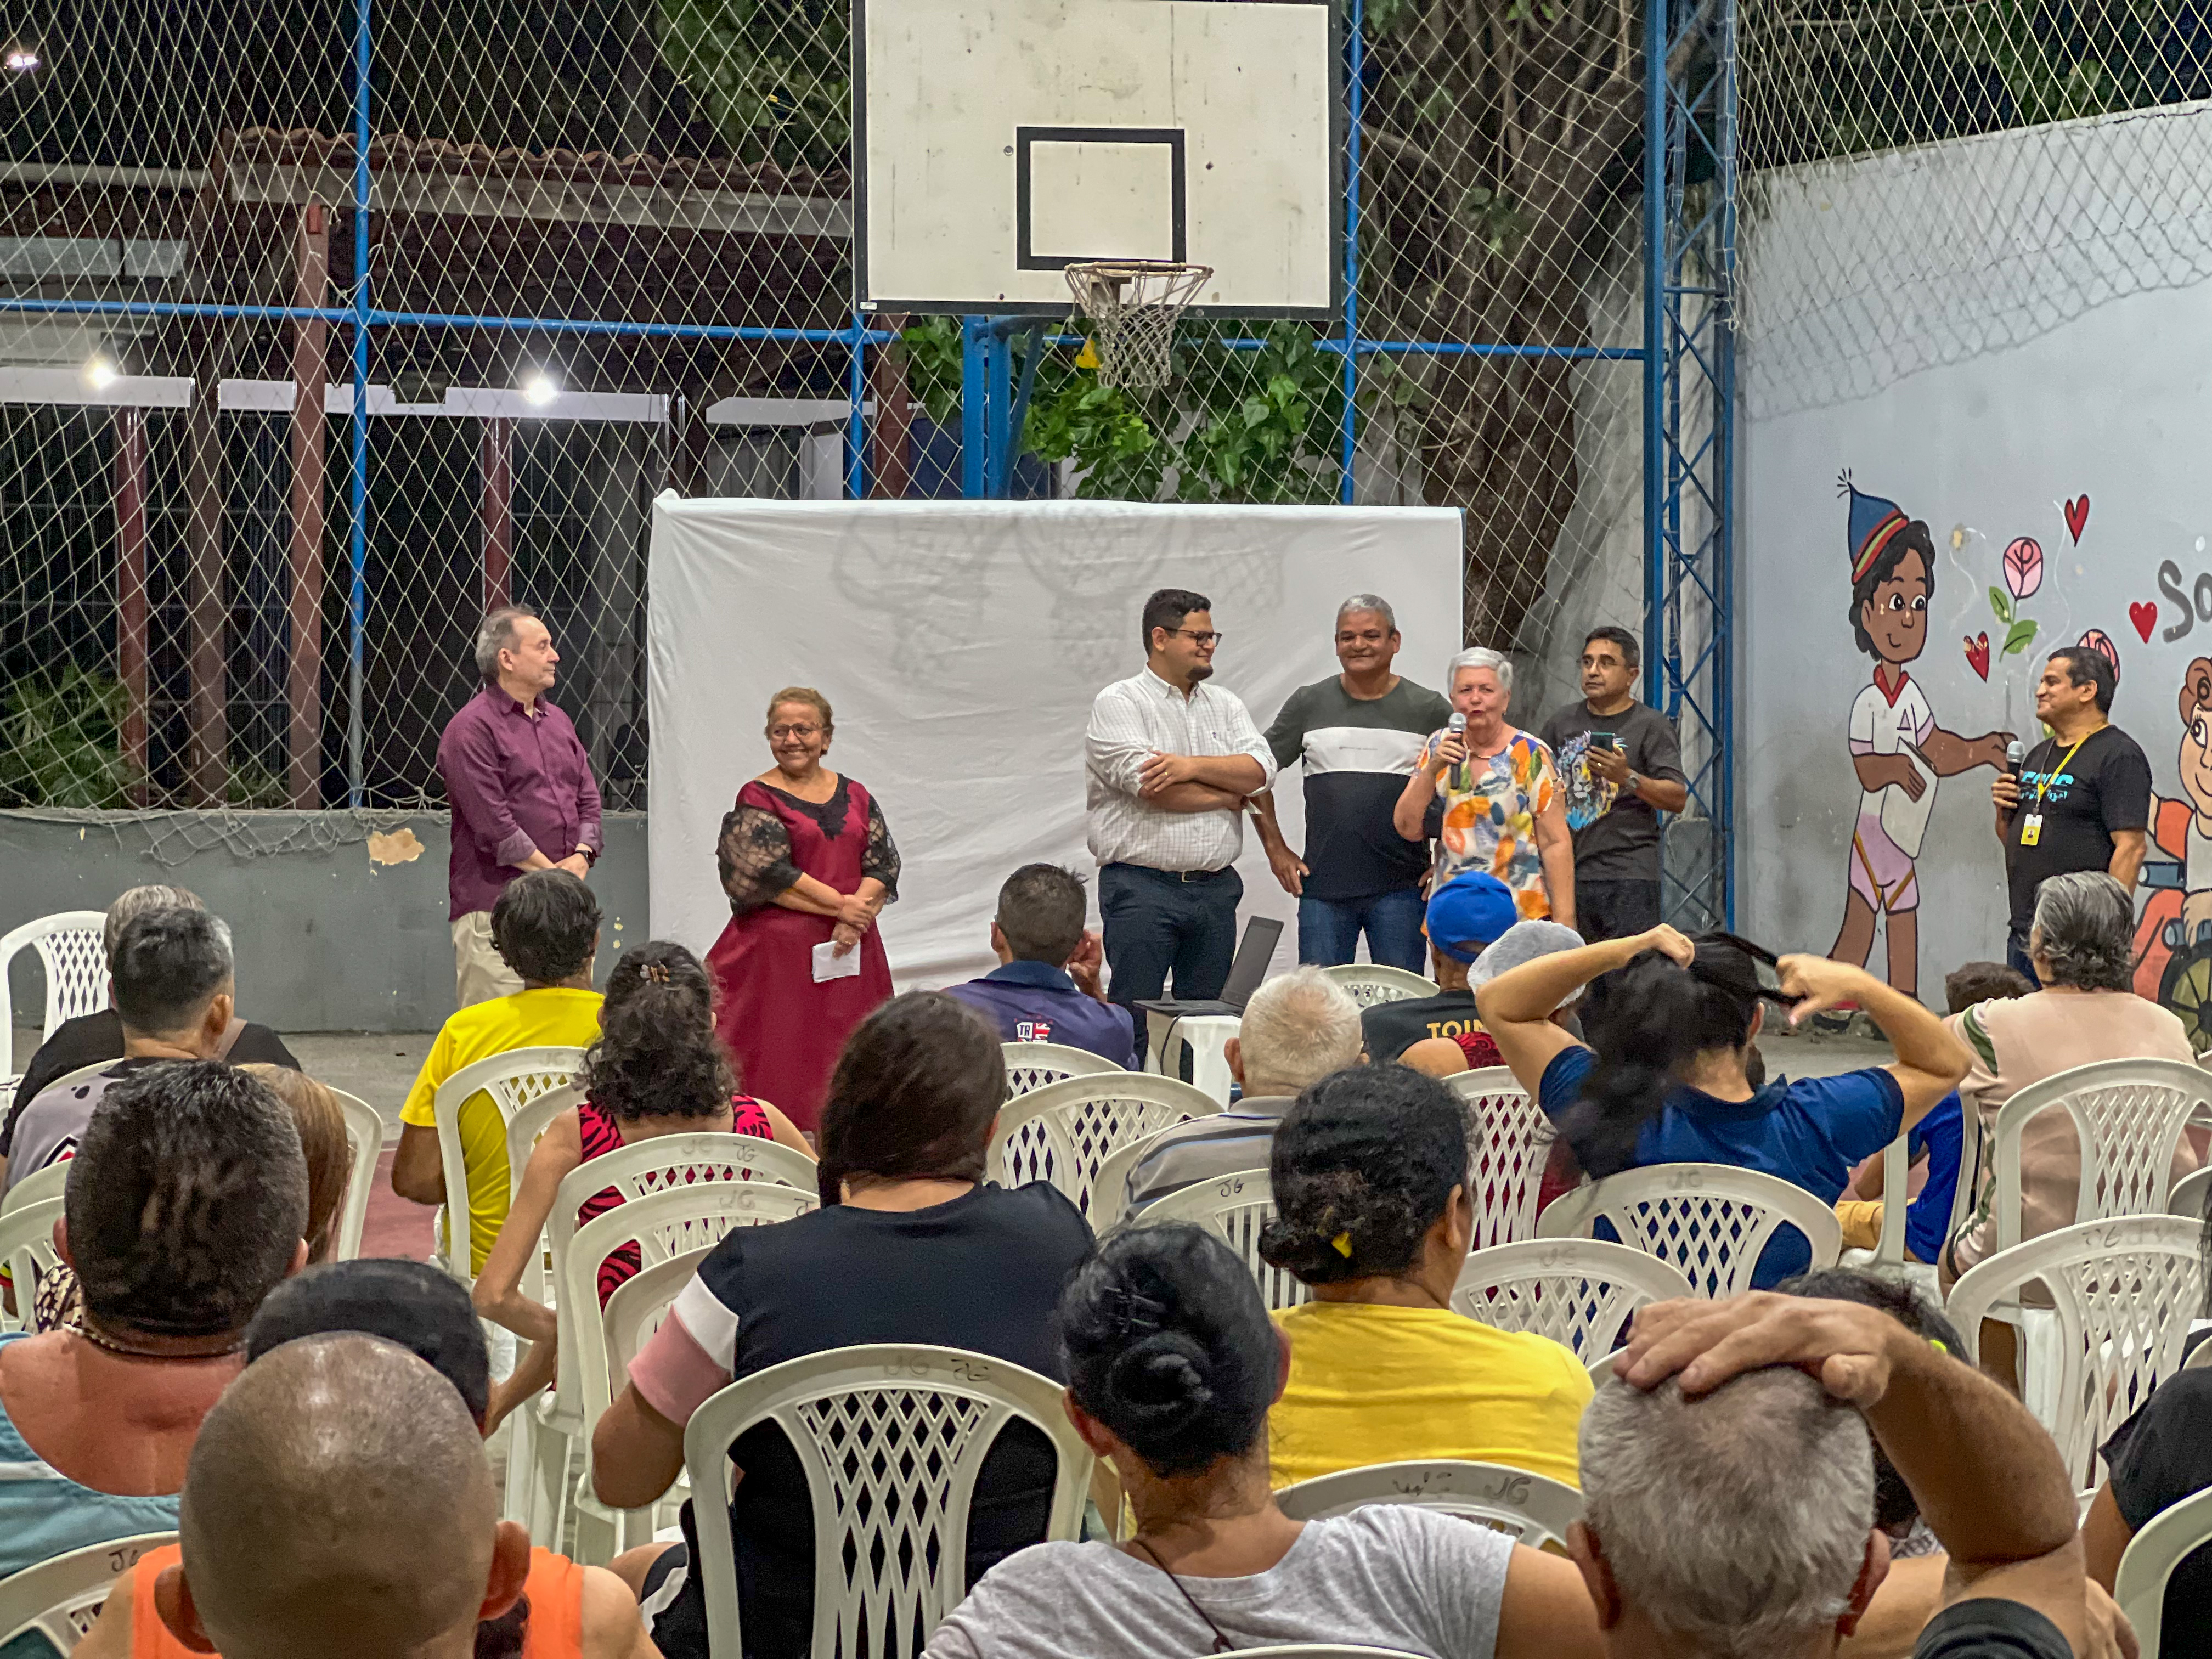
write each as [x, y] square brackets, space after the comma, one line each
[1898, 751]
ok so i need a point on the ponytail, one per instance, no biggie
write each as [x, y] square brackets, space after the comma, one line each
[658, 1055]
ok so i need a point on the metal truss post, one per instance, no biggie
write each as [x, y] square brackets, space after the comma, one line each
[1689, 433]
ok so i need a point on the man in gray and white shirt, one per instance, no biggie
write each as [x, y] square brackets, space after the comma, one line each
[1171, 761]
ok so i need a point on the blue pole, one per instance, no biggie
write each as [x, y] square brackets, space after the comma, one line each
[856, 433]
[1723, 808]
[1355, 59]
[357, 543]
[999, 384]
[974, 332]
[1654, 347]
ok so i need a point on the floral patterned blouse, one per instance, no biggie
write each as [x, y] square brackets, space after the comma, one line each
[1491, 808]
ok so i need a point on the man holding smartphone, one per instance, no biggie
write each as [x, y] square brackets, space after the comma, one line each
[1620, 766]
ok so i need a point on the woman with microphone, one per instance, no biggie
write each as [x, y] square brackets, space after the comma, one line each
[1502, 810]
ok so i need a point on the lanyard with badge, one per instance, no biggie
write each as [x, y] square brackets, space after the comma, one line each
[2031, 827]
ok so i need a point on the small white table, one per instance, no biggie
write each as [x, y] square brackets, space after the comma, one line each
[1208, 1035]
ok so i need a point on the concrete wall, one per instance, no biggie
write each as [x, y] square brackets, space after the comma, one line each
[335, 929]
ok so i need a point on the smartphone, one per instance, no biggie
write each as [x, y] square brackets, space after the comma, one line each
[1605, 740]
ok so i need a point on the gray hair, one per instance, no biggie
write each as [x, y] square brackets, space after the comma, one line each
[1297, 1030]
[1737, 1521]
[496, 634]
[2085, 928]
[1478, 656]
[135, 902]
[1374, 602]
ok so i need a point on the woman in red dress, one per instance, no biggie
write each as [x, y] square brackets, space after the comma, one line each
[806, 859]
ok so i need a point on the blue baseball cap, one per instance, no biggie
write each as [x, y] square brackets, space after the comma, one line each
[1469, 911]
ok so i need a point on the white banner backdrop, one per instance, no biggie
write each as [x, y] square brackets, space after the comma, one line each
[961, 644]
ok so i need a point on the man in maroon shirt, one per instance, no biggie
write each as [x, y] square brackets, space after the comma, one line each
[521, 789]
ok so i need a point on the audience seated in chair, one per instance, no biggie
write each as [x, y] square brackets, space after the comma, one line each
[340, 1501]
[910, 1246]
[171, 977]
[1472, 1049]
[657, 1069]
[1666, 1080]
[90, 1038]
[187, 1202]
[1045, 988]
[2082, 945]
[546, 925]
[1296, 1028]
[1469, 911]
[1373, 1213]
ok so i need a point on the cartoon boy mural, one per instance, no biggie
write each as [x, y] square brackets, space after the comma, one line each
[1898, 751]
[2177, 919]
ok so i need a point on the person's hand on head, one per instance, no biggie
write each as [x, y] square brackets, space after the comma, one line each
[1851, 1348]
[1818, 983]
[1675, 946]
[1083, 965]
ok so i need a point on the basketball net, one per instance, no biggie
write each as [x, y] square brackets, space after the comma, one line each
[1132, 305]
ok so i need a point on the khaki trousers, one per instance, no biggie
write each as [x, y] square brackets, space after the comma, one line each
[480, 972]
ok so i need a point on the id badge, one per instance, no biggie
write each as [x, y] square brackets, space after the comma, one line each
[2030, 830]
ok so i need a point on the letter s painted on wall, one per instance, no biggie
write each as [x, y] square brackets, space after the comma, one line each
[2169, 583]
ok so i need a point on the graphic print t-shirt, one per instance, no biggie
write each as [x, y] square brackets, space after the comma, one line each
[1491, 809]
[1616, 839]
[1357, 754]
[2104, 789]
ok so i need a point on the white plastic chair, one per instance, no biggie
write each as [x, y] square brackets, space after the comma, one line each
[1533, 1509]
[663, 1220]
[73, 951]
[1109, 1186]
[1236, 1207]
[1897, 1181]
[26, 1249]
[512, 1080]
[893, 1438]
[79, 1074]
[2149, 1560]
[1710, 1220]
[1032, 1064]
[1580, 1293]
[1062, 1132]
[1324, 1650]
[1371, 982]
[2123, 1292]
[637, 1309]
[365, 1135]
[2187, 1197]
[2129, 1115]
[1600, 1369]
[1505, 1137]
[60, 1600]
[49, 1182]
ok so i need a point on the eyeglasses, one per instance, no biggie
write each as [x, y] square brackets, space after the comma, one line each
[1199, 635]
[778, 733]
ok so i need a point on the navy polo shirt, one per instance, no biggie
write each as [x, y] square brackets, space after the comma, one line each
[1037, 1002]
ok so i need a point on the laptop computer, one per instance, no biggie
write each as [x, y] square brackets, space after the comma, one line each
[1254, 952]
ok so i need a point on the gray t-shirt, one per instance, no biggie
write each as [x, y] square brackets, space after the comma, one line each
[1616, 833]
[1388, 1576]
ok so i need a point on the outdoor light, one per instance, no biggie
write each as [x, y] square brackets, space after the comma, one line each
[538, 389]
[21, 60]
[100, 370]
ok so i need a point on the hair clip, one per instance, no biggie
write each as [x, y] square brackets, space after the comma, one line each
[657, 972]
[1939, 1345]
[1342, 1245]
[1133, 1310]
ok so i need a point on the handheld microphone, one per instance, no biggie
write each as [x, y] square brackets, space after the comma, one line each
[2015, 753]
[1458, 723]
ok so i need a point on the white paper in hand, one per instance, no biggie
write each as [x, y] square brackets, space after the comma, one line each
[827, 966]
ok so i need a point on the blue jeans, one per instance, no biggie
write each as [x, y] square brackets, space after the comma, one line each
[1329, 930]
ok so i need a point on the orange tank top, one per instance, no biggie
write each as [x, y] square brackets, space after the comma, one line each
[555, 1587]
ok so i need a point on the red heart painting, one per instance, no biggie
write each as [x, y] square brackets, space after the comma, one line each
[2077, 520]
[2145, 617]
[1977, 653]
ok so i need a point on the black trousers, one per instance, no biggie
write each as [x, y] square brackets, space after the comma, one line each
[1160, 922]
[1612, 910]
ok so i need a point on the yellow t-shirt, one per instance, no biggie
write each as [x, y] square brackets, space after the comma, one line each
[1385, 1385]
[553, 1015]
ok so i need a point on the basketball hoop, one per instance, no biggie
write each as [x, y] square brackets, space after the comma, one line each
[1132, 305]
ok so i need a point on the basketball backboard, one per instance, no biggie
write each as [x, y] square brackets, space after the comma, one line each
[1001, 140]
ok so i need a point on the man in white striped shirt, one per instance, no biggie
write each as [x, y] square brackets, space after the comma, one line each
[1171, 762]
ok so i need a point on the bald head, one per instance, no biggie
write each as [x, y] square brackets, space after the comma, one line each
[338, 1501]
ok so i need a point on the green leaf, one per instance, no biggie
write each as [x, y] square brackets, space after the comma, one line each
[2023, 632]
[2001, 602]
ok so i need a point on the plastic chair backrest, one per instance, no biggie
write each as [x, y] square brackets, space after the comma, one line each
[1534, 1509]
[1371, 982]
[1578, 1291]
[1710, 1220]
[636, 1310]
[1236, 1207]
[1508, 1174]
[2149, 1560]
[1062, 1132]
[79, 1074]
[893, 1438]
[1032, 1064]
[365, 1135]
[673, 1222]
[60, 1599]
[1109, 1183]
[1600, 1369]
[72, 948]
[2124, 1290]
[2129, 1115]
[26, 1250]
[2187, 1197]
[512, 1080]
[49, 1182]
[1324, 1650]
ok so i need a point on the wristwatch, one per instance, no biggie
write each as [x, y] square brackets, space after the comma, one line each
[1635, 785]
[591, 859]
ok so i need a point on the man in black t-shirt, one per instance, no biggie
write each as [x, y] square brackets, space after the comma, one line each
[1359, 736]
[2158, 1457]
[2082, 799]
[1620, 765]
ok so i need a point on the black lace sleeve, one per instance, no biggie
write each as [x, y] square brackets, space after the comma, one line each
[881, 859]
[754, 856]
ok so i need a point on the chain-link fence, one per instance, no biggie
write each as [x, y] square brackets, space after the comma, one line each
[264, 458]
